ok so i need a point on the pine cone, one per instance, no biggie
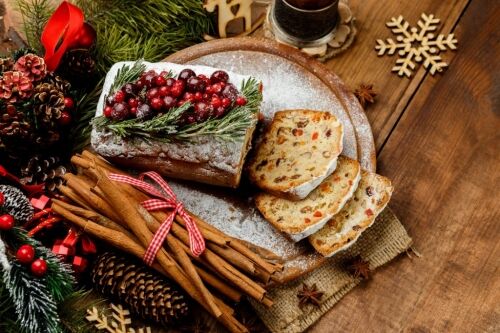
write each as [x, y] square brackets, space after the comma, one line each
[6, 64]
[31, 66]
[16, 204]
[79, 67]
[39, 170]
[15, 86]
[57, 81]
[48, 103]
[146, 293]
[13, 124]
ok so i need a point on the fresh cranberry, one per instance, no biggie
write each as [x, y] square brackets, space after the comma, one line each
[170, 82]
[120, 111]
[216, 88]
[152, 93]
[240, 101]
[188, 96]
[215, 102]
[129, 89]
[169, 102]
[144, 111]
[141, 83]
[195, 84]
[200, 106]
[133, 110]
[107, 111]
[219, 76]
[164, 91]
[119, 96]
[222, 84]
[156, 103]
[185, 74]
[230, 92]
[178, 88]
[206, 96]
[198, 96]
[149, 77]
[209, 90]
[160, 81]
[220, 111]
[133, 102]
[226, 102]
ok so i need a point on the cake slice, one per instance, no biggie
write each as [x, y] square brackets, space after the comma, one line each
[299, 219]
[297, 153]
[370, 198]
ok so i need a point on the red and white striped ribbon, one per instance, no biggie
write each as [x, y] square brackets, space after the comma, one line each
[168, 201]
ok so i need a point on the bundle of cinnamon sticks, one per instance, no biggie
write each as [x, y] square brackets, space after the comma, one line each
[112, 212]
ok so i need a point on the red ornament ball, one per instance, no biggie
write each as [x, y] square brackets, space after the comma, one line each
[6, 222]
[69, 103]
[25, 254]
[39, 267]
[2, 199]
[64, 119]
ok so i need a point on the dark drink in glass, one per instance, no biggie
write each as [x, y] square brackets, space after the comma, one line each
[304, 22]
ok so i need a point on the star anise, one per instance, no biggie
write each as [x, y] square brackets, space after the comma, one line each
[360, 268]
[365, 94]
[309, 295]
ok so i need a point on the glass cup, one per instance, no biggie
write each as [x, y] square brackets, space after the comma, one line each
[304, 23]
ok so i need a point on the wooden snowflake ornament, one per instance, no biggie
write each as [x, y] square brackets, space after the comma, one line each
[120, 322]
[416, 45]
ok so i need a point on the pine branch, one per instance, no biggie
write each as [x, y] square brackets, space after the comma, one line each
[73, 311]
[231, 127]
[127, 74]
[34, 15]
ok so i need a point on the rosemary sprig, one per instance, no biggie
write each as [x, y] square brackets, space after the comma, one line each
[127, 74]
[231, 127]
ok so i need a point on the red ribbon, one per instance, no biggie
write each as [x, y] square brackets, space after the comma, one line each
[31, 189]
[196, 241]
[62, 30]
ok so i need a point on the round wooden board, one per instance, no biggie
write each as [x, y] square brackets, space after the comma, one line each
[291, 79]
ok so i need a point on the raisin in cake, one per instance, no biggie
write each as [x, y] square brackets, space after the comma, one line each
[299, 219]
[298, 151]
[204, 158]
[371, 197]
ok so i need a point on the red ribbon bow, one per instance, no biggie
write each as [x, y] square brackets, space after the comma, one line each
[65, 30]
[196, 241]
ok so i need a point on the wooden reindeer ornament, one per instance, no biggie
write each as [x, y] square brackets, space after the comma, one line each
[229, 10]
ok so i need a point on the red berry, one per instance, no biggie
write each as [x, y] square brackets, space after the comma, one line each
[152, 93]
[160, 81]
[144, 111]
[202, 77]
[230, 92]
[195, 84]
[209, 90]
[177, 90]
[133, 110]
[39, 267]
[222, 84]
[216, 88]
[119, 96]
[241, 101]
[107, 111]
[226, 102]
[2, 199]
[120, 111]
[170, 82]
[64, 119]
[169, 102]
[148, 78]
[215, 102]
[219, 76]
[198, 96]
[185, 74]
[129, 89]
[6, 222]
[156, 103]
[133, 102]
[206, 96]
[188, 96]
[220, 111]
[140, 83]
[25, 254]
[164, 91]
[69, 103]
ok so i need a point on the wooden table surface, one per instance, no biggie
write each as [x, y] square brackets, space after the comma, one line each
[438, 139]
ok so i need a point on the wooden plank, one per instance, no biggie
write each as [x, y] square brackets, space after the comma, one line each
[360, 64]
[444, 160]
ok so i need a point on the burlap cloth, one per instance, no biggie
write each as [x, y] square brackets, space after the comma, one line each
[378, 245]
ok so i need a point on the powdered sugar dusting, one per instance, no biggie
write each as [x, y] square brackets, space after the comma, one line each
[286, 86]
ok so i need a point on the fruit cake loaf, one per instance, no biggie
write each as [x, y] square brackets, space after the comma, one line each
[298, 151]
[371, 197]
[132, 125]
[299, 219]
